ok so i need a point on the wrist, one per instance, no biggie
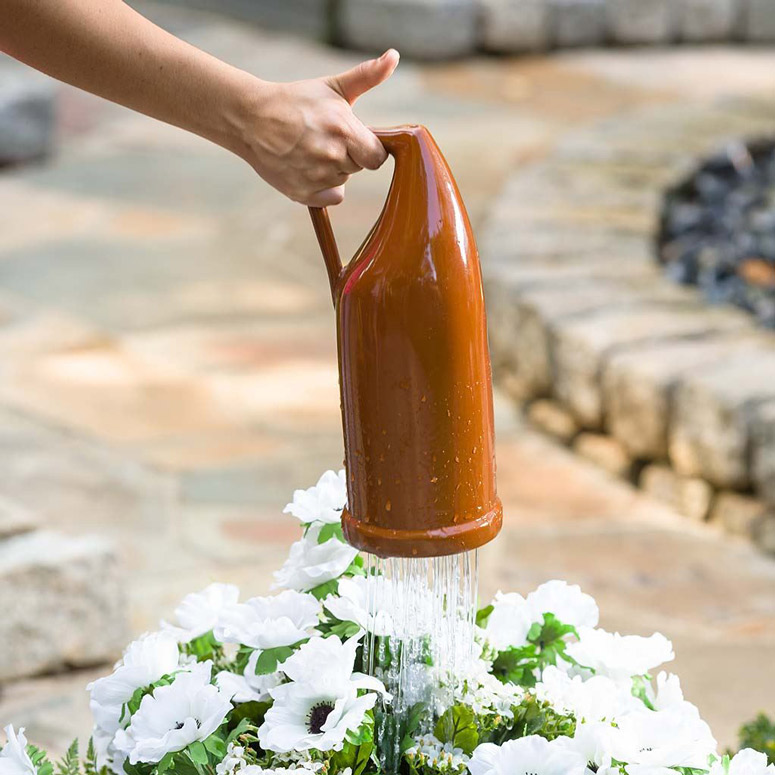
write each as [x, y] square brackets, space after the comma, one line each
[240, 112]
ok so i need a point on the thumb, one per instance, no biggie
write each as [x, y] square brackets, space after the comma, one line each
[358, 80]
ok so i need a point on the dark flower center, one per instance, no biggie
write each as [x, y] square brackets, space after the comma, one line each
[318, 715]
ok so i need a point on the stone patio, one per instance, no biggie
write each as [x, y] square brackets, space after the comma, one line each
[167, 363]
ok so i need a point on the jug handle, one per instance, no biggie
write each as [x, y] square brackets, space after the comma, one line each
[328, 247]
[322, 223]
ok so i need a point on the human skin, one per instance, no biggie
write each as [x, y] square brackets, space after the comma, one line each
[301, 137]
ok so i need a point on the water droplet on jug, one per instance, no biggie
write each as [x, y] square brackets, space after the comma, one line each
[388, 506]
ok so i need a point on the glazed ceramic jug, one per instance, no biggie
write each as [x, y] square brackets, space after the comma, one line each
[414, 366]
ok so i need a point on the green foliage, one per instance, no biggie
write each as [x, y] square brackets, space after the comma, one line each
[483, 615]
[546, 643]
[412, 724]
[458, 726]
[40, 760]
[269, 659]
[322, 591]
[70, 764]
[205, 647]
[90, 763]
[759, 734]
[534, 717]
[354, 757]
[329, 531]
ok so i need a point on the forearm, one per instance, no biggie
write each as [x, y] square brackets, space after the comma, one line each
[108, 49]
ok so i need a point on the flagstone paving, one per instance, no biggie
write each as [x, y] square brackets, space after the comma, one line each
[168, 376]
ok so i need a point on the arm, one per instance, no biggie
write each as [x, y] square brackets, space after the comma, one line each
[302, 137]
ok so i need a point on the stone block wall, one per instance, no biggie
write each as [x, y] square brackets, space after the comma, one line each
[440, 29]
[637, 374]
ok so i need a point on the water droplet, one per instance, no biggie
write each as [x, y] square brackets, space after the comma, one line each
[434, 479]
[388, 506]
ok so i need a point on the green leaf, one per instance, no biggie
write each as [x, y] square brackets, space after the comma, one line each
[329, 531]
[483, 615]
[165, 763]
[215, 745]
[344, 630]
[245, 715]
[198, 752]
[322, 591]
[759, 734]
[70, 764]
[457, 725]
[269, 659]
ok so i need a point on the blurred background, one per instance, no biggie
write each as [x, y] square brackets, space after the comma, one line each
[167, 353]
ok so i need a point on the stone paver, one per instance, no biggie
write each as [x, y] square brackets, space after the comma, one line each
[166, 345]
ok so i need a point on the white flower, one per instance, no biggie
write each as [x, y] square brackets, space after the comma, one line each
[144, 662]
[295, 768]
[174, 716]
[509, 621]
[666, 738]
[234, 761]
[592, 741]
[567, 602]
[310, 563]
[745, 762]
[351, 604]
[322, 703]
[248, 687]
[14, 759]
[595, 699]
[199, 612]
[269, 622]
[668, 695]
[485, 694]
[531, 755]
[323, 502]
[513, 615]
[430, 752]
[619, 657]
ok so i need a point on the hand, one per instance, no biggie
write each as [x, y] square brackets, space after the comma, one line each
[304, 139]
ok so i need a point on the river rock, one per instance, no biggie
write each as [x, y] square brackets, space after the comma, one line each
[62, 604]
[27, 115]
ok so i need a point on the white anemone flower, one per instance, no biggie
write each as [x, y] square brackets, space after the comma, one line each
[323, 701]
[593, 741]
[745, 762]
[596, 699]
[322, 503]
[268, 622]
[310, 563]
[200, 612]
[509, 622]
[665, 738]
[530, 755]
[351, 604]
[14, 759]
[567, 602]
[174, 716]
[668, 695]
[620, 657]
[144, 662]
[248, 687]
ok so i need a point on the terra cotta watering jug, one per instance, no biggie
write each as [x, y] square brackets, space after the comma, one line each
[414, 366]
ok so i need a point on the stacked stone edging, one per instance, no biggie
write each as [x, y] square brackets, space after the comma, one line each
[440, 29]
[636, 373]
